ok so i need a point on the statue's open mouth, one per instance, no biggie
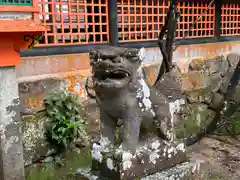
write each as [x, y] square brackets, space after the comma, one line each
[115, 78]
[115, 75]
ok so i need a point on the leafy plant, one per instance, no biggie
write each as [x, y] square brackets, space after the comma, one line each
[63, 110]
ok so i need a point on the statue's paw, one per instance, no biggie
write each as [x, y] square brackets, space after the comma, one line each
[167, 133]
[170, 136]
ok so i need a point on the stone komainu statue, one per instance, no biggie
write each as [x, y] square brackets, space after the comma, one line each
[122, 94]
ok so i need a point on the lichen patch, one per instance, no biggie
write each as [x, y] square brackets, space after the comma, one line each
[152, 157]
[127, 165]
[110, 164]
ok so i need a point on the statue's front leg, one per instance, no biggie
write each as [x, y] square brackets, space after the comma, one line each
[131, 130]
[107, 128]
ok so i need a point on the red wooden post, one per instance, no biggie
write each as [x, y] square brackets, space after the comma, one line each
[15, 23]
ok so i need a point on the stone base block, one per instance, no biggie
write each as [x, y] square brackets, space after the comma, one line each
[149, 158]
[183, 171]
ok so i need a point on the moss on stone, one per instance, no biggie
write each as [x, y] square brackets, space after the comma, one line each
[234, 124]
[231, 127]
[52, 171]
[118, 136]
[196, 118]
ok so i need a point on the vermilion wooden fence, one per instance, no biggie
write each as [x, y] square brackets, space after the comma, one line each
[230, 20]
[74, 21]
[142, 20]
[87, 21]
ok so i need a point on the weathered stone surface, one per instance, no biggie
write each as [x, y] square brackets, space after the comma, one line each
[86, 174]
[200, 96]
[151, 72]
[169, 86]
[149, 158]
[196, 118]
[35, 145]
[235, 96]
[32, 94]
[211, 73]
[11, 150]
[194, 80]
[233, 59]
[196, 63]
[216, 82]
[75, 83]
[183, 171]
[217, 99]
[210, 66]
[45, 65]
[217, 72]
[226, 81]
[92, 116]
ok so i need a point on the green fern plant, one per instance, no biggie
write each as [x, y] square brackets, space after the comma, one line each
[63, 110]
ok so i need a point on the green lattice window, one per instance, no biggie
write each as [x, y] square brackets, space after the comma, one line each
[16, 2]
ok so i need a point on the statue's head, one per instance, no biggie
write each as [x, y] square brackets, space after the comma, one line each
[115, 67]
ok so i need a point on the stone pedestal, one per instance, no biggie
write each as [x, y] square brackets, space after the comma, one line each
[11, 147]
[149, 158]
[153, 158]
[183, 171]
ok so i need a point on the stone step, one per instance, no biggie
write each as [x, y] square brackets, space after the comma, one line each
[149, 157]
[187, 170]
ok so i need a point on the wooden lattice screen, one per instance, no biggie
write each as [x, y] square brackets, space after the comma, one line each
[230, 20]
[74, 21]
[86, 21]
[142, 20]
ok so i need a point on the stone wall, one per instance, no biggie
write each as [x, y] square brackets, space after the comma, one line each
[204, 84]
[69, 70]
[32, 96]
[207, 82]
